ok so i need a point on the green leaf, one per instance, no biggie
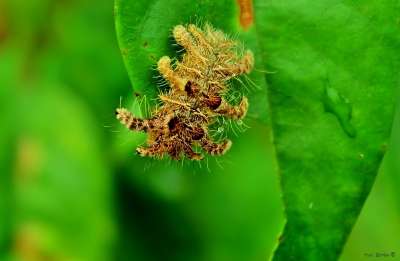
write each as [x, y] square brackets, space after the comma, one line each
[62, 185]
[189, 198]
[332, 102]
[332, 96]
[144, 34]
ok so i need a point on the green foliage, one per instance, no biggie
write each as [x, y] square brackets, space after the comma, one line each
[326, 172]
[62, 186]
[330, 138]
[71, 186]
[55, 187]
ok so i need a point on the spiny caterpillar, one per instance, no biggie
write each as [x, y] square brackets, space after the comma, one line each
[195, 99]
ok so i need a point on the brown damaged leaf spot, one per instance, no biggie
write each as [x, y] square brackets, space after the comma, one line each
[246, 13]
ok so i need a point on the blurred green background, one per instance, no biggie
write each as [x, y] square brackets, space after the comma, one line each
[72, 188]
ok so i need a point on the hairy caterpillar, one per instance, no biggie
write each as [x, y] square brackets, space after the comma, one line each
[195, 98]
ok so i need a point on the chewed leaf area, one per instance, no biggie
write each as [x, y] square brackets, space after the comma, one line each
[196, 97]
